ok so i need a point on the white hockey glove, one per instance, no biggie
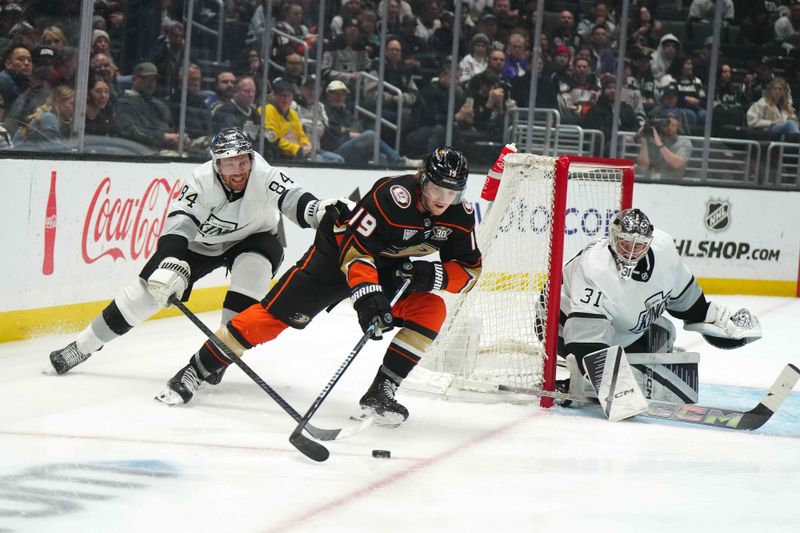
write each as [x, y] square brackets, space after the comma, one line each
[317, 209]
[725, 330]
[171, 277]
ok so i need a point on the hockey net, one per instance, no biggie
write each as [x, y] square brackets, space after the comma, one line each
[505, 331]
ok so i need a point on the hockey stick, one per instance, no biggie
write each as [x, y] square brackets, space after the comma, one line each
[306, 446]
[317, 433]
[698, 414]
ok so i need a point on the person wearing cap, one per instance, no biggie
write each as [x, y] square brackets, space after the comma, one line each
[282, 127]
[15, 78]
[345, 135]
[663, 153]
[309, 109]
[144, 118]
[489, 26]
[669, 102]
[347, 57]
[559, 69]
[23, 33]
[601, 115]
[668, 47]
[477, 59]
[787, 28]
[101, 42]
[240, 111]
[44, 59]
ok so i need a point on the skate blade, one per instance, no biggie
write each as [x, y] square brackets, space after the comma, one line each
[49, 371]
[387, 420]
[169, 397]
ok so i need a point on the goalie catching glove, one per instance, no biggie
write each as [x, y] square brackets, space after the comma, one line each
[725, 330]
[425, 276]
[372, 307]
[171, 277]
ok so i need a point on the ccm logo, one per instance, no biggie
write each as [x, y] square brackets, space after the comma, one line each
[620, 394]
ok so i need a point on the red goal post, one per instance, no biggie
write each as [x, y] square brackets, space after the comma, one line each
[501, 332]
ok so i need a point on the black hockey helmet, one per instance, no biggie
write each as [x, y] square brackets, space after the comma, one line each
[630, 236]
[446, 167]
[230, 142]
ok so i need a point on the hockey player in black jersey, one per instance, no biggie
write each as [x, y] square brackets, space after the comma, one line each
[226, 215]
[361, 255]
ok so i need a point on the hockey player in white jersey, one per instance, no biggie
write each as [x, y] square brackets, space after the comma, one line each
[613, 295]
[227, 214]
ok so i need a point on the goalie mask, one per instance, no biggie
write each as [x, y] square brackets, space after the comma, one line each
[230, 142]
[630, 236]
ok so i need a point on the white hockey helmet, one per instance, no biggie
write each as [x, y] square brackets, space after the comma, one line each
[230, 142]
[630, 236]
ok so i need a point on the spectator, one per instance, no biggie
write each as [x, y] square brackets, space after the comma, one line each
[37, 92]
[15, 78]
[23, 34]
[728, 92]
[367, 25]
[598, 17]
[565, 32]
[546, 90]
[476, 60]
[603, 60]
[65, 67]
[646, 29]
[395, 73]
[282, 127]
[293, 72]
[416, 50]
[347, 56]
[491, 101]
[291, 23]
[560, 68]
[632, 94]
[773, 112]
[239, 112]
[99, 114]
[579, 93]
[143, 118]
[349, 11]
[307, 104]
[255, 68]
[53, 37]
[690, 88]
[640, 71]
[757, 29]
[167, 56]
[223, 90]
[787, 28]
[516, 63]
[442, 39]
[430, 114]
[701, 61]
[601, 115]
[497, 61]
[488, 26]
[103, 66]
[101, 43]
[756, 85]
[668, 47]
[428, 19]
[198, 120]
[664, 153]
[507, 19]
[703, 11]
[394, 16]
[669, 102]
[50, 124]
[345, 136]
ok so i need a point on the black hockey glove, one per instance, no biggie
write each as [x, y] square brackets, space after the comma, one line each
[372, 306]
[425, 276]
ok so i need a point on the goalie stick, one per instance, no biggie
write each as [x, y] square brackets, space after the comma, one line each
[300, 441]
[698, 414]
[317, 433]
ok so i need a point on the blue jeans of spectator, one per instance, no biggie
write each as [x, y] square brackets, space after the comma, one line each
[695, 117]
[324, 156]
[790, 126]
[358, 151]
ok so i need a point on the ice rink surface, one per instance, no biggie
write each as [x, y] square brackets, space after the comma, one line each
[91, 451]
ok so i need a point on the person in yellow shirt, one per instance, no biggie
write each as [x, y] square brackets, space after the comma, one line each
[282, 126]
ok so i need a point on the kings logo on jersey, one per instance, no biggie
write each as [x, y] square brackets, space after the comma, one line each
[654, 307]
[214, 227]
[718, 214]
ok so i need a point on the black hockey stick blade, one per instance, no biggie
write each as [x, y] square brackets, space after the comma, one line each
[317, 433]
[296, 438]
[698, 414]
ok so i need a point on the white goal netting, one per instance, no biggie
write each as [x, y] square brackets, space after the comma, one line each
[494, 335]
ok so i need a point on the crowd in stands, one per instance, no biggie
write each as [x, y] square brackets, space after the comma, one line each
[137, 56]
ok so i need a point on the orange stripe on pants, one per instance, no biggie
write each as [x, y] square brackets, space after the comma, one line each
[256, 325]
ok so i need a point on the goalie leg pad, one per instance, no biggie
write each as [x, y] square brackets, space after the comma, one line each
[613, 380]
[671, 377]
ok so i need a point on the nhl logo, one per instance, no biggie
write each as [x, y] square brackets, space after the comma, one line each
[718, 214]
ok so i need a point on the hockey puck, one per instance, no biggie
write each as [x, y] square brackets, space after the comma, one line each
[381, 454]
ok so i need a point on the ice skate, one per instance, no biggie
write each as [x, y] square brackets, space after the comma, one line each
[379, 402]
[181, 388]
[65, 359]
